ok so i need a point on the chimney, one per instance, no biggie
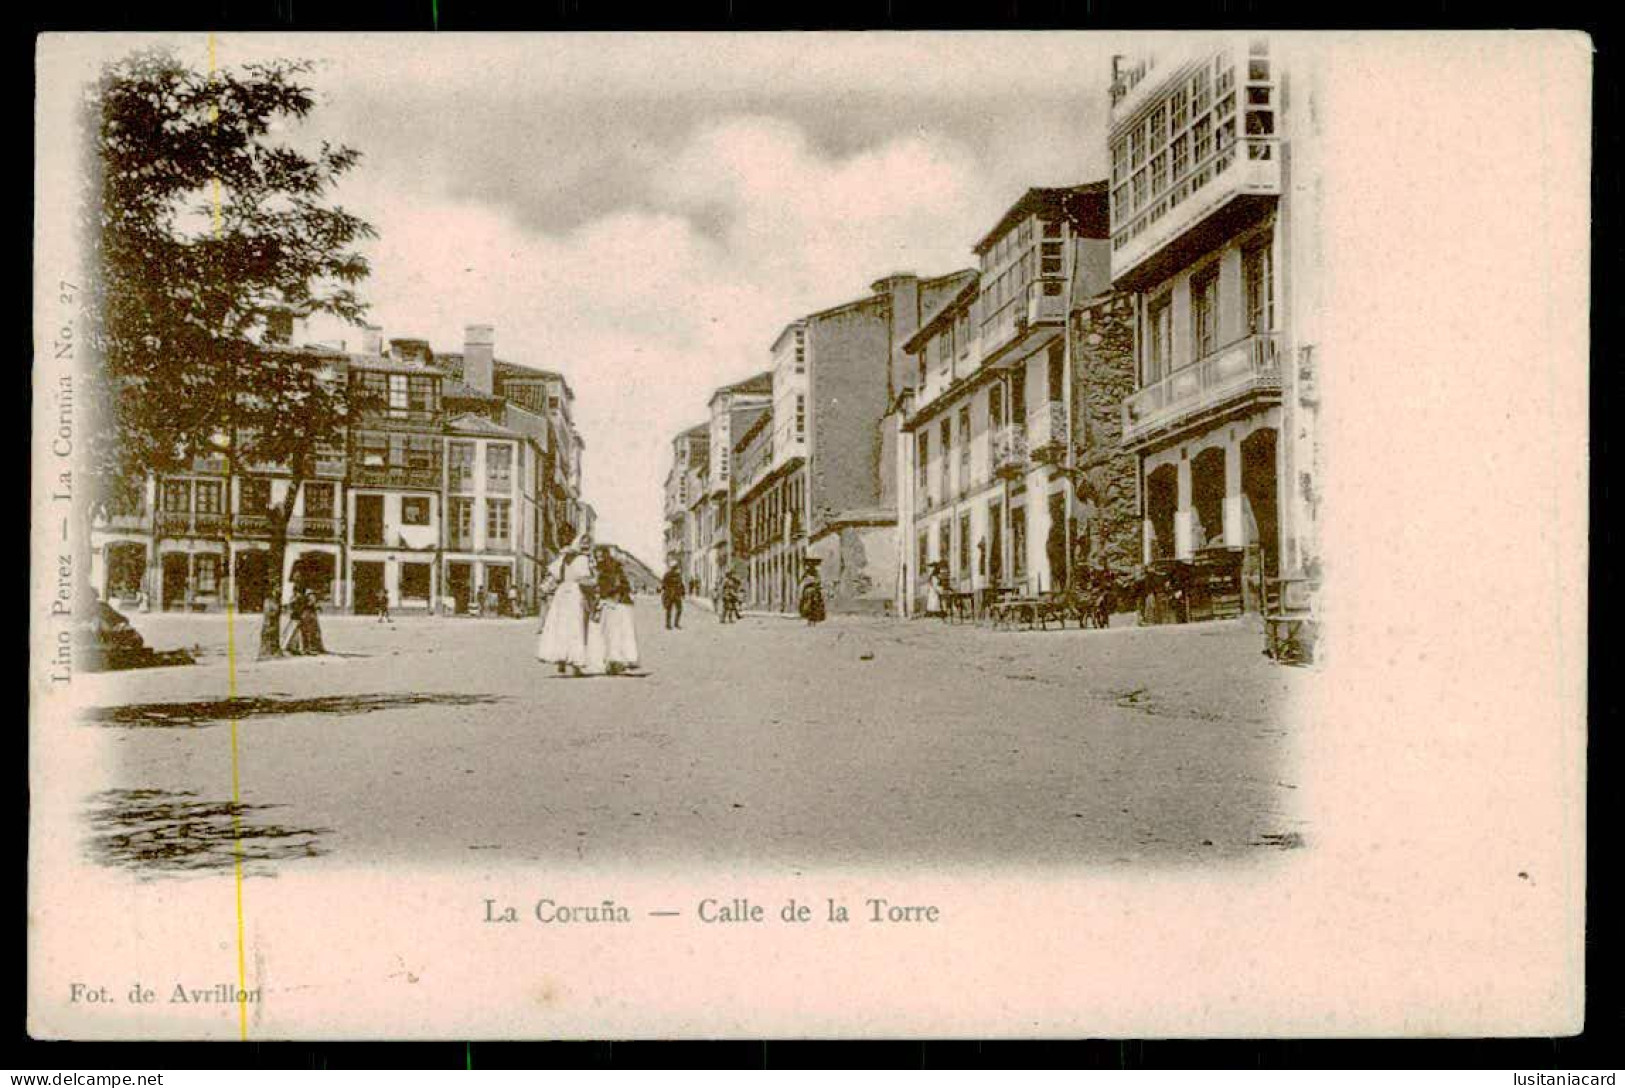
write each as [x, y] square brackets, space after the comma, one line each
[478, 348]
[279, 326]
[372, 340]
[903, 289]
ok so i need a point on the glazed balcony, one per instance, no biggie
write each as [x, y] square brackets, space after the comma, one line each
[1023, 324]
[1241, 372]
[1230, 189]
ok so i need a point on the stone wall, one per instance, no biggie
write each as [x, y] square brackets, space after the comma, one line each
[858, 567]
[1102, 334]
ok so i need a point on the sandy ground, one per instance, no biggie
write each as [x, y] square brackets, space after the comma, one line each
[765, 743]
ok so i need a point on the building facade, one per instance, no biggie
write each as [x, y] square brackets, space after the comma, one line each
[459, 476]
[987, 463]
[1214, 210]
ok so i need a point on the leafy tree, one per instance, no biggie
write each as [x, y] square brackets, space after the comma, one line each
[205, 226]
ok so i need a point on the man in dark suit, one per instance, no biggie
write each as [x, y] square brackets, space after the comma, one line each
[671, 595]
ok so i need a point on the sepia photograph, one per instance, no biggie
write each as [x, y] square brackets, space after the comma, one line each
[649, 535]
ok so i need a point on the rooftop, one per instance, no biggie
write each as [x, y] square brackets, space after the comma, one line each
[1056, 201]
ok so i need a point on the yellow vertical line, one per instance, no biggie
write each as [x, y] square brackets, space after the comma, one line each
[231, 674]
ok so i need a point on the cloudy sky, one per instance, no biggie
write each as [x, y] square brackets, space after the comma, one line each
[645, 213]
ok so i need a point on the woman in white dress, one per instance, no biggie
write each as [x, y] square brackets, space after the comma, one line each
[563, 640]
[616, 639]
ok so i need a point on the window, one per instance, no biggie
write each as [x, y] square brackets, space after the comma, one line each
[947, 452]
[496, 522]
[318, 500]
[945, 548]
[924, 563]
[962, 333]
[1202, 134]
[415, 581]
[208, 573]
[397, 394]
[1018, 542]
[254, 496]
[498, 467]
[1204, 312]
[801, 352]
[415, 510]
[1052, 259]
[462, 521]
[209, 497]
[420, 393]
[1255, 266]
[801, 416]
[460, 456]
[964, 546]
[964, 447]
[1052, 228]
[1159, 338]
[374, 450]
[1057, 372]
[1018, 397]
[995, 408]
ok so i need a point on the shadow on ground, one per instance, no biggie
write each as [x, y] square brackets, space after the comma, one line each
[214, 711]
[162, 832]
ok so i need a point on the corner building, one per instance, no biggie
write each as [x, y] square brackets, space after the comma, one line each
[1214, 224]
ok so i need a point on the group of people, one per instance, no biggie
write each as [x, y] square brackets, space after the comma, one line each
[731, 596]
[588, 629]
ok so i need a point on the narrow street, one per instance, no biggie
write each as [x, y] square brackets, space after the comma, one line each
[765, 743]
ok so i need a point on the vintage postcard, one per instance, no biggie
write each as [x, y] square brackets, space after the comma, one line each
[762, 535]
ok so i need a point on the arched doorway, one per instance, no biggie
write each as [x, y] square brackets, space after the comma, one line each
[1161, 500]
[316, 571]
[176, 575]
[1207, 499]
[253, 581]
[126, 570]
[1259, 503]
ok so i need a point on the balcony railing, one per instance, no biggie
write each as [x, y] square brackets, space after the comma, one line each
[1048, 441]
[1014, 318]
[396, 476]
[251, 525]
[1010, 450]
[309, 528]
[1240, 369]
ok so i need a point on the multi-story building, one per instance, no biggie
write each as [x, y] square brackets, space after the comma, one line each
[685, 449]
[1214, 216]
[986, 465]
[199, 539]
[819, 481]
[734, 408]
[396, 471]
[461, 476]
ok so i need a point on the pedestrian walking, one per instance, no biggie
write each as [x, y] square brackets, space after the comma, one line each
[381, 600]
[733, 595]
[563, 638]
[671, 597]
[811, 596]
[613, 639]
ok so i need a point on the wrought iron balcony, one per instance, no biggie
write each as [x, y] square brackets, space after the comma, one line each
[1237, 372]
[311, 528]
[247, 525]
[396, 476]
[1010, 451]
